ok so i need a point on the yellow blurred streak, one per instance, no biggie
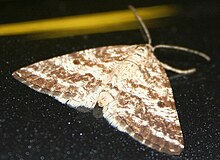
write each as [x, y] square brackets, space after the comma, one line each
[104, 29]
[88, 23]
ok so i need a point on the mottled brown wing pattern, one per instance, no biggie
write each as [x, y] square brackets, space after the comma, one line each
[74, 78]
[139, 101]
[127, 81]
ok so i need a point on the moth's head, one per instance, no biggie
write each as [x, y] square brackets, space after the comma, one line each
[142, 51]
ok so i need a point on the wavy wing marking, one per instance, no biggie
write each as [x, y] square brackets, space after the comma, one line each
[74, 78]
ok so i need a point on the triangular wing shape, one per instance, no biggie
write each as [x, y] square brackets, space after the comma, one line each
[76, 78]
[139, 101]
[128, 81]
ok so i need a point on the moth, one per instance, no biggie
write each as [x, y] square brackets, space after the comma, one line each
[127, 81]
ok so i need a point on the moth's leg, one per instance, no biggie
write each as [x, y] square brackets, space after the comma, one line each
[176, 70]
[97, 111]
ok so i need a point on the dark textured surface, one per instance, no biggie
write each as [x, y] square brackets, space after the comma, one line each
[35, 126]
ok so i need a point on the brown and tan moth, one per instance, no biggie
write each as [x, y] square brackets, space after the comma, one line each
[127, 81]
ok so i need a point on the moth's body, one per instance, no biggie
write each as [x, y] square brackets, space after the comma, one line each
[127, 81]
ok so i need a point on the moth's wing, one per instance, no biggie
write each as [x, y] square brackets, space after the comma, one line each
[139, 101]
[76, 78]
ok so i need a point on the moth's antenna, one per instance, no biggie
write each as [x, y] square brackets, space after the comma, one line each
[201, 54]
[146, 31]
